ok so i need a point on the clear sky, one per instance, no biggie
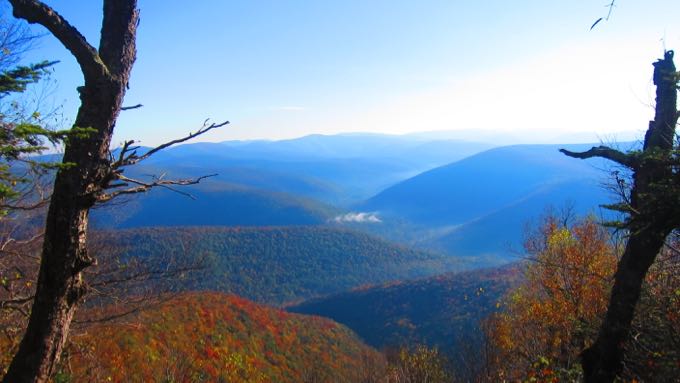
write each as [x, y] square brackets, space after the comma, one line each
[287, 68]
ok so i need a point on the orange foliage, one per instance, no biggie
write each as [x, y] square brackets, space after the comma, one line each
[554, 313]
[216, 337]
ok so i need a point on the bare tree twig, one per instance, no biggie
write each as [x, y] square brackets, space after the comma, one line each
[611, 7]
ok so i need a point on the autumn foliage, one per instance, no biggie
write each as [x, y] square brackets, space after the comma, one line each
[548, 320]
[213, 337]
[417, 364]
[551, 315]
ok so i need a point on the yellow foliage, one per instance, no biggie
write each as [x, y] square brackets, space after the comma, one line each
[555, 312]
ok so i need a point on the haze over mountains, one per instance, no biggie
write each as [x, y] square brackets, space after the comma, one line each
[299, 212]
[456, 197]
[480, 205]
[383, 234]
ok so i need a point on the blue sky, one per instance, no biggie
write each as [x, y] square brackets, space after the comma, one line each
[287, 68]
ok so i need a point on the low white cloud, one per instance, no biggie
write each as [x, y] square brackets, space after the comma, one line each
[358, 218]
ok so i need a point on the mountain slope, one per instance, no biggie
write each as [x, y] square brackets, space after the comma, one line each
[217, 337]
[212, 203]
[480, 205]
[442, 311]
[500, 234]
[479, 184]
[334, 169]
[276, 264]
[303, 181]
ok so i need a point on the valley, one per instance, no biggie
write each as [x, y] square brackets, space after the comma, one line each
[394, 253]
[339, 192]
[403, 242]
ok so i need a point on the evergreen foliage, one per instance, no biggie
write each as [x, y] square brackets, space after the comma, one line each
[20, 136]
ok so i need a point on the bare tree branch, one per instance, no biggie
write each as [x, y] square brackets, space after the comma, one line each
[143, 275]
[15, 301]
[131, 107]
[605, 152]
[609, 13]
[145, 186]
[28, 207]
[35, 11]
[133, 158]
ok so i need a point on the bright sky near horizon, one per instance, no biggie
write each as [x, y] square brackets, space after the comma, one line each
[287, 68]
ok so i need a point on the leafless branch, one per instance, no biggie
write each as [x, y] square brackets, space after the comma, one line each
[145, 186]
[605, 152]
[28, 207]
[133, 306]
[19, 242]
[17, 302]
[131, 107]
[144, 275]
[128, 155]
[610, 6]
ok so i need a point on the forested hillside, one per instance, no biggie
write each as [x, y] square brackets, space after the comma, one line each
[443, 311]
[214, 203]
[276, 264]
[211, 337]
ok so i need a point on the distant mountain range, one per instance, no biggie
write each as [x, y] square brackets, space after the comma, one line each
[338, 169]
[305, 181]
[456, 197]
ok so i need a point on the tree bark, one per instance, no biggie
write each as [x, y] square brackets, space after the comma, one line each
[655, 213]
[60, 285]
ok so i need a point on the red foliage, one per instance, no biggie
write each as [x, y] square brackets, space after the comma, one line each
[212, 336]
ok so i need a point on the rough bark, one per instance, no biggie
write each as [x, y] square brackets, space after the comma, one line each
[654, 214]
[60, 286]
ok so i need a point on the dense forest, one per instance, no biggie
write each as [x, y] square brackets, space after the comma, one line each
[412, 312]
[211, 337]
[273, 265]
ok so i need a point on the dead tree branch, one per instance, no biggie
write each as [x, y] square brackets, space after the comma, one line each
[128, 153]
[605, 152]
[146, 186]
[131, 107]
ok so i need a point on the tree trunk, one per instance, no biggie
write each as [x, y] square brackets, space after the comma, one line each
[60, 286]
[654, 215]
[602, 362]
